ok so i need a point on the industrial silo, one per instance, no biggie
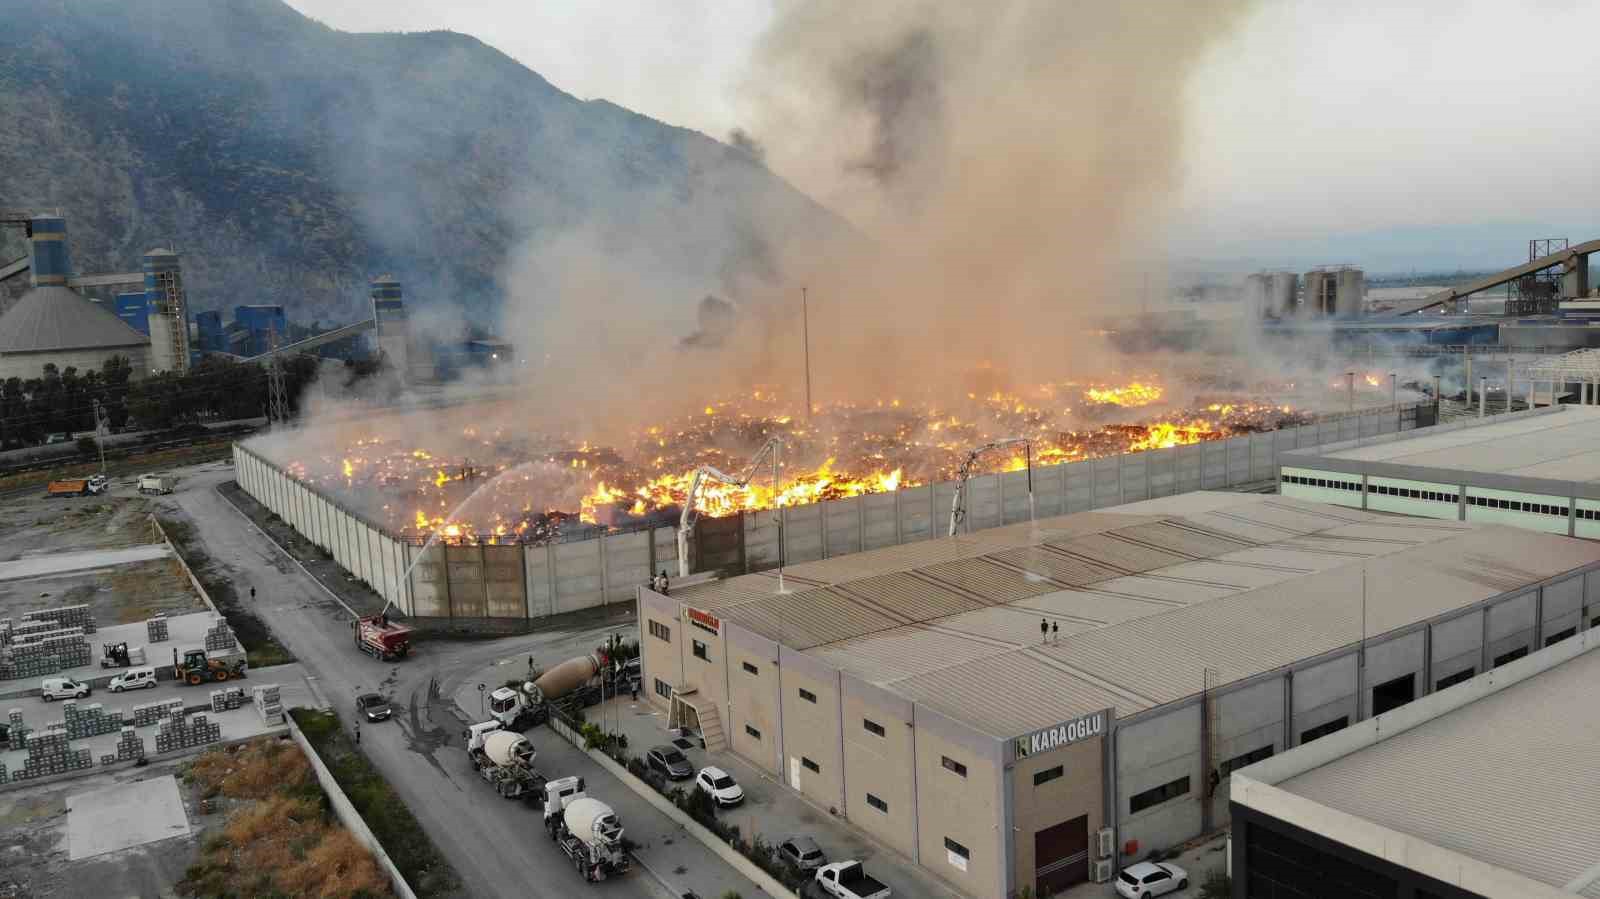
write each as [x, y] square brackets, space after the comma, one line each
[1351, 293]
[1256, 296]
[1281, 290]
[168, 311]
[1320, 297]
[47, 252]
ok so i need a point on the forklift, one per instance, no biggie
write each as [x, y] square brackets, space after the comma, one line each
[114, 655]
[196, 668]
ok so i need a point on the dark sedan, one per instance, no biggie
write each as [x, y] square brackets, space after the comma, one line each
[373, 707]
[669, 761]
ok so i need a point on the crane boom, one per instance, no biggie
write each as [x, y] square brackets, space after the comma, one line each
[958, 508]
[686, 520]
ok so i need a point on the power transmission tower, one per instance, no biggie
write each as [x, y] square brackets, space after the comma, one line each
[277, 397]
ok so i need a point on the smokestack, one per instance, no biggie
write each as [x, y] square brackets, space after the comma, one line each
[47, 251]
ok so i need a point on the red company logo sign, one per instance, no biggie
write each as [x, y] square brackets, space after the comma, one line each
[704, 619]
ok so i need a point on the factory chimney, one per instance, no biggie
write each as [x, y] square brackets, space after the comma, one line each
[47, 251]
[393, 331]
[168, 311]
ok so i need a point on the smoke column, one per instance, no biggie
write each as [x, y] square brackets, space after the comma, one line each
[1008, 162]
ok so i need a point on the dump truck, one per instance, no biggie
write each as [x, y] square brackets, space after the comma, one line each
[198, 668]
[68, 487]
[381, 638]
[585, 829]
[505, 761]
[156, 483]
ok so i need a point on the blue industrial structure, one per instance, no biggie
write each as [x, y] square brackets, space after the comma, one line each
[134, 309]
[209, 336]
[47, 252]
[262, 326]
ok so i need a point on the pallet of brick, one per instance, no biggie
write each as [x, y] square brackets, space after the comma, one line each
[220, 637]
[90, 721]
[65, 616]
[24, 629]
[5, 631]
[17, 731]
[2, 772]
[227, 700]
[177, 733]
[268, 704]
[52, 754]
[151, 712]
[130, 745]
[156, 629]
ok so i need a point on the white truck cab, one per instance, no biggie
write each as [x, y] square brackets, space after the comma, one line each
[475, 734]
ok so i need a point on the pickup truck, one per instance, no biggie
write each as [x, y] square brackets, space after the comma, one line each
[848, 880]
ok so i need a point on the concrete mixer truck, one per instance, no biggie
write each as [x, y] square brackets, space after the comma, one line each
[577, 679]
[505, 761]
[585, 829]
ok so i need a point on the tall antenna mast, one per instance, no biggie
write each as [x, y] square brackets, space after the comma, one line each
[805, 325]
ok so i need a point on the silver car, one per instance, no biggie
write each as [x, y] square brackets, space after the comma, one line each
[802, 852]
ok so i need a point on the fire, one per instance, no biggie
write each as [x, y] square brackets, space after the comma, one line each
[1132, 396]
[1373, 381]
[530, 490]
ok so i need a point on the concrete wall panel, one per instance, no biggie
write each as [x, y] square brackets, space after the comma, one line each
[880, 520]
[429, 590]
[1161, 472]
[577, 575]
[628, 563]
[843, 520]
[1151, 753]
[1462, 635]
[1512, 616]
[467, 597]
[917, 514]
[983, 502]
[1562, 598]
[1135, 477]
[1107, 483]
[1080, 487]
[503, 581]
[802, 533]
[539, 585]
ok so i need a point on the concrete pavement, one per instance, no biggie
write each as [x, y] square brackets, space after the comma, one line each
[496, 847]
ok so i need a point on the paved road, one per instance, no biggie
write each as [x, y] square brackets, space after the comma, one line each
[497, 847]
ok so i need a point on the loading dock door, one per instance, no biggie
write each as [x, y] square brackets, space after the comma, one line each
[1394, 694]
[1061, 855]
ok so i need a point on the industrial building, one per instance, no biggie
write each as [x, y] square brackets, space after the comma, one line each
[1538, 469]
[1484, 790]
[916, 691]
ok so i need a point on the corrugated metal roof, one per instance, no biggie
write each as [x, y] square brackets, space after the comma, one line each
[1065, 570]
[1110, 549]
[803, 620]
[984, 578]
[908, 598]
[902, 652]
[59, 318]
[1509, 779]
[1178, 536]
[1010, 694]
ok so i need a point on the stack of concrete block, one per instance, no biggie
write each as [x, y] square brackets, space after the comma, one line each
[130, 746]
[152, 712]
[2, 772]
[5, 631]
[178, 732]
[52, 754]
[17, 731]
[66, 616]
[27, 628]
[156, 629]
[268, 703]
[227, 700]
[90, 721]
[220, 637]
[43, 651]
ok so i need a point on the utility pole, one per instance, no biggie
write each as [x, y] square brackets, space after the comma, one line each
[1350, 378]
[277, 400]
[101, 428]
[805, 325]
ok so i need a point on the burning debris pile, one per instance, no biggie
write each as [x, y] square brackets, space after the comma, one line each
[493, 488]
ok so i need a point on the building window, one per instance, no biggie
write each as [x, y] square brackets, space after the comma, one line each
[808, 696]
[752, 731]
[957, 848]
[751, 668]
[663, 689]
[951, 764]
[700, 651]
[1511, 656]
[872, 727]
[811, 766]
[1560, 635]
[1043, 777]
[1157, 795]
[1322, 730]
[1249, 758]
[659, 630]
[877, 803]
[1458, 677]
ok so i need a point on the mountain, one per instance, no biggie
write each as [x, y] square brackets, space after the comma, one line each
[288, 162]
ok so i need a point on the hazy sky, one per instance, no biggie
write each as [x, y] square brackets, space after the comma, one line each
[1315, 119]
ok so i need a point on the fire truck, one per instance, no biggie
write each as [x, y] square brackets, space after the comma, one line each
[381, 638]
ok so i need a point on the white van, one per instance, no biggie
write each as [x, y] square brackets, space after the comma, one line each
[63, 688]
[134, 679]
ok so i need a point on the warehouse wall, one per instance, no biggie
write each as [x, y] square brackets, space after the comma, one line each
[563, 577]
[754, 697]
[880, 764]
[1150, 753]
[811, 729]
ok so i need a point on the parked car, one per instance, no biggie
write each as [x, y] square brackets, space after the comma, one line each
[1149, 879]
[669, 761]
[720, 784]
[373, 707]
[141, 678]
[63, 688]
[802, 852]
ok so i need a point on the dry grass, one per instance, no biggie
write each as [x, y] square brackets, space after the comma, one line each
[281, 841]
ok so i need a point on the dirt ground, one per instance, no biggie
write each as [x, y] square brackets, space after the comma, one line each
[33, 844]
[34, 525]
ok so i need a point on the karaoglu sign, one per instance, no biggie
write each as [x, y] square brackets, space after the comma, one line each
[1064, 734]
